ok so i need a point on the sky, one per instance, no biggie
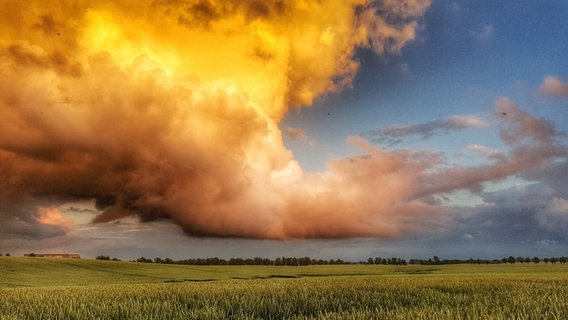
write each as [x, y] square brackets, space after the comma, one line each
[328, 129]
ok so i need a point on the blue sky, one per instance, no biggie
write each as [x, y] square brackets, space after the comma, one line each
[467, 54]
[199, 130]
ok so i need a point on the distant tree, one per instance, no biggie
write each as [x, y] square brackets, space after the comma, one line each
[157, 260]
[143, 259]
[102, 258]
[511, 259]
[520, 259]
[436, 259]
[7, 254]
[535, 259]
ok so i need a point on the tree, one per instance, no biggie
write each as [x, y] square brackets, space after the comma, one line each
[511, 259]
[102, 258]
[7, 254]
[535, 260]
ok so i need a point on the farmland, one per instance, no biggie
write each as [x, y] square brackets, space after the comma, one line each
[32, 288]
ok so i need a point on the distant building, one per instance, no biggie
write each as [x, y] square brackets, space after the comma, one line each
[54, 255]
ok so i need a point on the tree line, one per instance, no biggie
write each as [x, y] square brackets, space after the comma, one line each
[305, 261]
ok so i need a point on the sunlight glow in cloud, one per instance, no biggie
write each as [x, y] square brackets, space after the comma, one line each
[553, 86]
[170, 110]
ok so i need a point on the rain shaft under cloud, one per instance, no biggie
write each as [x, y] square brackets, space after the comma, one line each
[171, 109]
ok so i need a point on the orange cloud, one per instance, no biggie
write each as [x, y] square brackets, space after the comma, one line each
[171, 109]
[553, 86]
[52, 216]
[296, 134]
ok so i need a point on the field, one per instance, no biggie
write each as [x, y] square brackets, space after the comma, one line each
[39, 288]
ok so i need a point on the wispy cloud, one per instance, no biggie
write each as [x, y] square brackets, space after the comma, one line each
[532, 142]
[395, 134]
[484, 34]
[296, 134]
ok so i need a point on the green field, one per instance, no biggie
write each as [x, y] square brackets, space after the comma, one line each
[39, 288]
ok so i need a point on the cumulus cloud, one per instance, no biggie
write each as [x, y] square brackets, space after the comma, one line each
[553, 86]
[170, 110]
[394, 134]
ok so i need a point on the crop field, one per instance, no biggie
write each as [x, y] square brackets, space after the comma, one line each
[39, 288]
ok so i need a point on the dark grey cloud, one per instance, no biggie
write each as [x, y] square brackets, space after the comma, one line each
[20, 219]
[554, 174]
[523, 220]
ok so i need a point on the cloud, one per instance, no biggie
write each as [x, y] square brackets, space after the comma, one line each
[520, 127]
[511, 221]
[296, 134]
[170, 110]
[531, 141]
[394, 134]
[554, 174]
[22, 219]
[388, 25]
[52, 216]
[554, 216]
[490, 153]
[553, 86]
[483, 35]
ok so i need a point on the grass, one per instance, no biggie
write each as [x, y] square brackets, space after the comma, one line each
[45, 272]
[32, 288]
